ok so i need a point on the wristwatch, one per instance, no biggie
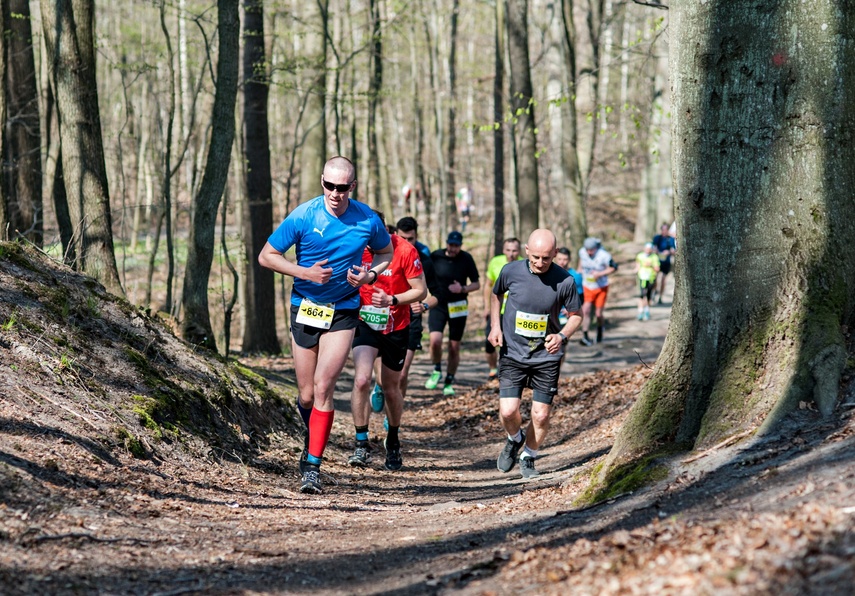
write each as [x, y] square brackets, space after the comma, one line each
[563, 338]
[394, 301]
[425, 306]
[375, 276]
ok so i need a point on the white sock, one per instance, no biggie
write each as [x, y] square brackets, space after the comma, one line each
[517, 437]
[529, 453]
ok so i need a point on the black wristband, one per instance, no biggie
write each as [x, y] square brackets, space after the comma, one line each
[394, 301]
[375, 276]
[563, 337]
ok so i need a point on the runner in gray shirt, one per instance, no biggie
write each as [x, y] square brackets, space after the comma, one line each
[531, 342]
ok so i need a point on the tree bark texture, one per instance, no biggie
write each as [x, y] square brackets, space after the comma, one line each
[573, 196]
[22, 146]
[196, 326]
[69, 37]
[763, 152]
[499, 131]
[313, 153]
[375, 84]
[522, 106]
[259, 333]
[5, 210]
[451, 215]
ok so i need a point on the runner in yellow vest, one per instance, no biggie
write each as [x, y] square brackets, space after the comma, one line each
[646, 266]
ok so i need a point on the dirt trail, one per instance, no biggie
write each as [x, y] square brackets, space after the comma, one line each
[754, 517]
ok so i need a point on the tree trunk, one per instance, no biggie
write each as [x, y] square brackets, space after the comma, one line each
[69, 37]
[22, 146]
[763, 153]
[375, 83]
[313, 151]
[499, 131]
[259, 332]
[574, 196]
[451, 214]
[522, 106]
[196, 326]
[166, 187]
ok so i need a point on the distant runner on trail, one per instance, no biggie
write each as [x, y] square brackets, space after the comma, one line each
[457, 276]
[384, 330]
[646, 268]
[510, 252]
[667, 247]
[408, 229]
[330, 233]
[595, 265]
[531, 343]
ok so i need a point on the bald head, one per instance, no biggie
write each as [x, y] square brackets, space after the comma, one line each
[540, 249]
[341, 166]
[542, 240]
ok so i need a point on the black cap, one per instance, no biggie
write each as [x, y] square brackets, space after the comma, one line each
[455, 237]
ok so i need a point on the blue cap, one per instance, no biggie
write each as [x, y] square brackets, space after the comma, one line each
[455, 237]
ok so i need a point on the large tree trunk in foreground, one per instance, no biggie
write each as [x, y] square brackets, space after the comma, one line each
[763, 177]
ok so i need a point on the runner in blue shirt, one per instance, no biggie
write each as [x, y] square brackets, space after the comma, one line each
[329, 233]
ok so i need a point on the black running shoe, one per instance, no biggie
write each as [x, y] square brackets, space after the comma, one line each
[304, 456]
[527, 468]
[508, 456]
[393, 457]
[311, 482]
[585, 341]
[360, 456]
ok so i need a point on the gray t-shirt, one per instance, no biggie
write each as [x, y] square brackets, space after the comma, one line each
[532, 307]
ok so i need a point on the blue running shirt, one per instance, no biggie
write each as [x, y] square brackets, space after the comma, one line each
[319, 235]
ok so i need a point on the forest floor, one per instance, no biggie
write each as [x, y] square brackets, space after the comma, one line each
[80, 514]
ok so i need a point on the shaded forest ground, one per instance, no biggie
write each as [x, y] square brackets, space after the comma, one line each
[131, 465]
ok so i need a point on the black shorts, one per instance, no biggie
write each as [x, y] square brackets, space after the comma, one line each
[438, 317]
[391, 347]
[415, 340]
[665, 267]
[541, 377]
[308, 337]
[645, 288]
[488, 347]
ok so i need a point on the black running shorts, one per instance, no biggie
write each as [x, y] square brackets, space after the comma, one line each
[541, 377]
[415, 339]
[308, 337]
[391, 347]
[438, 317]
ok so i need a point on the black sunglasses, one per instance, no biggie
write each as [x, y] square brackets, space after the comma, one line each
[342, 188]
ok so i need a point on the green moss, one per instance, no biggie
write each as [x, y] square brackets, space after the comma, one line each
[146, 408]
[132, 444]
[623, 479]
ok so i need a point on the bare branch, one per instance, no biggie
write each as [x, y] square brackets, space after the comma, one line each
[653, 4]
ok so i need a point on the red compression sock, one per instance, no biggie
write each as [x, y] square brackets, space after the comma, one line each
[320, 425]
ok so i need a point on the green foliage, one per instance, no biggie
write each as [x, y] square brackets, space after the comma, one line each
[9, 323]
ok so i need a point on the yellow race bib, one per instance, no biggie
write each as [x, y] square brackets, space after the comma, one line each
[458, 309]
[315, 315]
[529, 325]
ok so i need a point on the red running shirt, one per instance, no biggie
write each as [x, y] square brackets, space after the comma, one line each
[405, 265]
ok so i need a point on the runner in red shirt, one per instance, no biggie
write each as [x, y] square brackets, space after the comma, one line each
[384, 330]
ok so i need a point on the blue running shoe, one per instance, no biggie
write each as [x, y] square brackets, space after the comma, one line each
[378, 400]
